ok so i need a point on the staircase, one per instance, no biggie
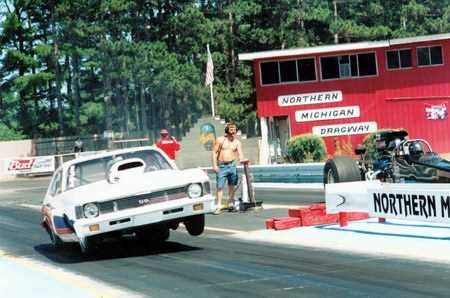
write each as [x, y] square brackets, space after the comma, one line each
[193, 154]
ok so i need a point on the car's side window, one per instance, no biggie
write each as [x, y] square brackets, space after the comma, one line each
[55, 188]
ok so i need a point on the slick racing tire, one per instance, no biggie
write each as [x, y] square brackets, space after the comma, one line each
[341, 169]
[195, 225]
[56, 241]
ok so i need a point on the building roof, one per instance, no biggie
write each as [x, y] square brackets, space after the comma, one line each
[341, 47]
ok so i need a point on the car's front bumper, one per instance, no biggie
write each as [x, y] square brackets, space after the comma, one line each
[144, 215]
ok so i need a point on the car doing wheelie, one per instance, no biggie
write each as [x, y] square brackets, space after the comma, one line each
[136, 192]
[397, 159]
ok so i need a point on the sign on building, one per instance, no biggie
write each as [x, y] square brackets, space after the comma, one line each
[327, 114]
[309, 98]
[345, 129]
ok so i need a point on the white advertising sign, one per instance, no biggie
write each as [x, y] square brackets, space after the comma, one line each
[29, 165]
[345, 129]
[327, 114]
[309, 98]
[348, 196]
[411, 201]
[425, 202]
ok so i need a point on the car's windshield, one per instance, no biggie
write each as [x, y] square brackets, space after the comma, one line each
[95, 170]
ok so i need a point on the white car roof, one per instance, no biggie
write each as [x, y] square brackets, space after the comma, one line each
[100, 154]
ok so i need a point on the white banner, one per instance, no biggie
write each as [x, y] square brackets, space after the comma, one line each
[327, 114]
[29, 165]
[348, 196]
[309, 98]
[345, 129]
[411, 201]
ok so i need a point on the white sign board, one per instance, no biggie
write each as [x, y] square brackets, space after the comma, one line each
[309, 98]
[348, 196]
[327, 114]
[345, 129]
[29, 165]
[411, 201]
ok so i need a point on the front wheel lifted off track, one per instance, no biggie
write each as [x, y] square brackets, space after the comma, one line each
[341, 169]
[195, 225]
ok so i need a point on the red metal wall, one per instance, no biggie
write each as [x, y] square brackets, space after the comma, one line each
[393, 99]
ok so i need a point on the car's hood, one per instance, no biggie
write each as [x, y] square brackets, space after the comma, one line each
[137, 184]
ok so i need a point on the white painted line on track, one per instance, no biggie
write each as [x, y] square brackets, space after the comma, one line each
[230, 231]
[280, 206]
[36, 207]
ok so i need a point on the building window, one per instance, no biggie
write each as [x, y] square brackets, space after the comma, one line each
[399, 59]
[330, 67]
[429, 56]
[306, 69]
[346, 66]
[367, 65]
[288, 71]
[270, 73]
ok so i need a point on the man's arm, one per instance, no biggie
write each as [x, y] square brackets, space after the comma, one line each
[215, 153]
[177, 146]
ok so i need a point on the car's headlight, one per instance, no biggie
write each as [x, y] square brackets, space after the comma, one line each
[194, 190]
[90, 210]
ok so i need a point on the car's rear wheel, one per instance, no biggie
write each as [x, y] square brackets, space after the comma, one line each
[89, 246]
[341, 169]
[195, 225]
[161, 234]
[56, 241]
[154, 235]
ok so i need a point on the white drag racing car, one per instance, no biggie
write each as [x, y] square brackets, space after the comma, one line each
[136, 191]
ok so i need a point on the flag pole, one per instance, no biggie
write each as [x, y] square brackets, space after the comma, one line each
[212, 100]
[210, 79]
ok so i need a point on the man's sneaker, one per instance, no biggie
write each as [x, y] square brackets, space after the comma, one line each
[218, 211]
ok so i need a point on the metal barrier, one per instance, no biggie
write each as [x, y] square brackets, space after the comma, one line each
[284, 173]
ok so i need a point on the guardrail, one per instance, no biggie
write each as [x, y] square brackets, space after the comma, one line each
[283, 173]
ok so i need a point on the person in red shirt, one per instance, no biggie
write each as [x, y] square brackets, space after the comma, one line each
[168, 144]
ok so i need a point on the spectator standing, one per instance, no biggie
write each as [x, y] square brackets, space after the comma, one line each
[227, 152]
[78, 146]
[168, 144]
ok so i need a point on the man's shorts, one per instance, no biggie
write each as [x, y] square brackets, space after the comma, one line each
[227, 172]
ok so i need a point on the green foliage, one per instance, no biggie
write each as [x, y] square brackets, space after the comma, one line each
[306, 147]
[9, 134]
[369, 143]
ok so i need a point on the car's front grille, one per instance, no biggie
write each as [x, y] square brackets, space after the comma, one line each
[142, 200]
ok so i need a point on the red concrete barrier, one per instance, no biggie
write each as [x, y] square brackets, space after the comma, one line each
[285, 223]
[319, 220]
[316, 215]
[270, 223]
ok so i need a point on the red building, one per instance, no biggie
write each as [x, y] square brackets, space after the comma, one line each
[343, 92]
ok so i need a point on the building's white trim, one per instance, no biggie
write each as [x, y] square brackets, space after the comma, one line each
[341, 47]
[314, 50]
[264, 145]
[415, 39]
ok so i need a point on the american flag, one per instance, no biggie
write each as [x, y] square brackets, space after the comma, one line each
[209, 69]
